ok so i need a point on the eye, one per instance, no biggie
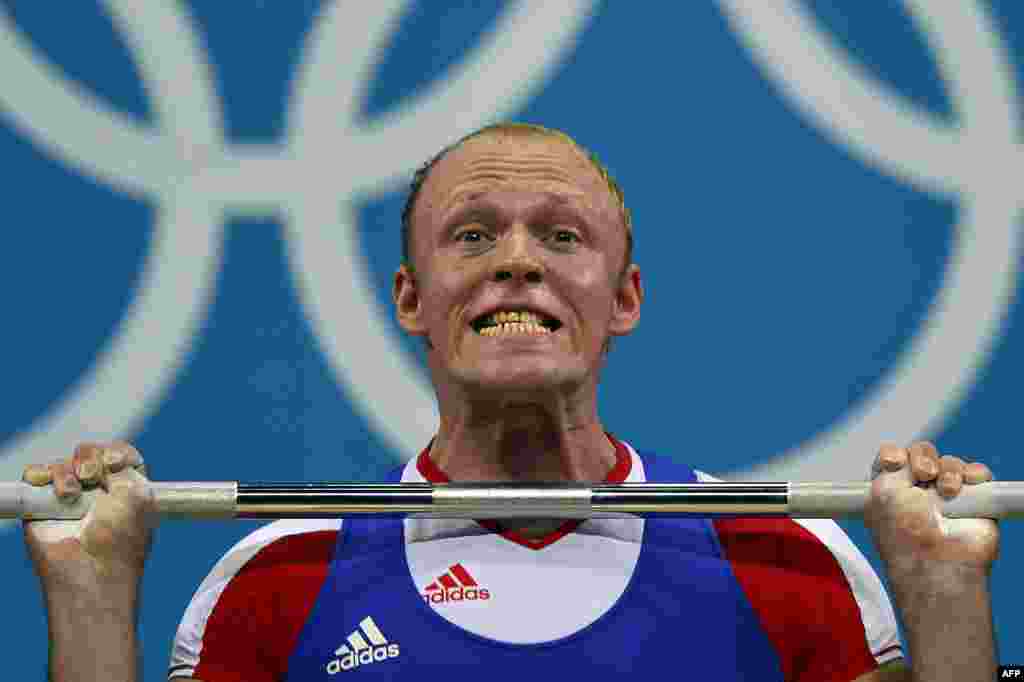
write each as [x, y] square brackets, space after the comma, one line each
[471, 236]
[566, 237]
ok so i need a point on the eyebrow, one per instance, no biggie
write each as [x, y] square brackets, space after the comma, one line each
[462, 201]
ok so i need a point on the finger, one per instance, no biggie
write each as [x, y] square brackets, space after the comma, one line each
[87, 464]
[891, 458]
[119, 454]
[924, 461]
[37, 474]
[976, 472]
[65, 483]
[951, 476]
[113, 460]
[130, 487]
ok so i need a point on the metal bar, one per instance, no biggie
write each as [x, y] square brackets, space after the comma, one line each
[489, 500]
[692, 499]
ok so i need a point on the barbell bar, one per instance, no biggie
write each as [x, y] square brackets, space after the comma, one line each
[491, 500]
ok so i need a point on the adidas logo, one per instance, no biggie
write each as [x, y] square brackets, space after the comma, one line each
[455, 585]
[361, 652]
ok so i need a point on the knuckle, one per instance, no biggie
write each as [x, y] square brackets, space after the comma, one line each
[129, 451]
[951, 463]
[923, 451]
[950, 478]
[85, 451]
[977, 472]
[891, 454]
[949, 484]
[113, 459]
[130, 490]
[923, 466]
[36, 474]
[89, 467]
[57, 472]
[126, 479]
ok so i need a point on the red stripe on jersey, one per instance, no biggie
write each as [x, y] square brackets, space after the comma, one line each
[618, 473]
[463, 575]
[268, 601]
[801, 597]
[448, 582]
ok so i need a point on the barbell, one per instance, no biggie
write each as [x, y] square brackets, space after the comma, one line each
[491, 500]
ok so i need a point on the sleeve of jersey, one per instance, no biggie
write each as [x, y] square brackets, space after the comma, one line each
[821, 604]
[244, 620]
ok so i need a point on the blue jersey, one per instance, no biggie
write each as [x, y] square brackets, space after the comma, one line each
[729, 599]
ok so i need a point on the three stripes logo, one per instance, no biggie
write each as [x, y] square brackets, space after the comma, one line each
[360, 652]
[455, 585]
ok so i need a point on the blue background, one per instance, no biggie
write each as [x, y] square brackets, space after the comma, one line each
[784, 276]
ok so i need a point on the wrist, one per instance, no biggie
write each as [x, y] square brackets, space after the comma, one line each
[107, 619]
[936, 576]
[101, 587]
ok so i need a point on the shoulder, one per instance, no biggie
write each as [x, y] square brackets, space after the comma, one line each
[811, 587]
[818, 547]
[241, 599]
[791, 543]
[807, 552]
[271, 551]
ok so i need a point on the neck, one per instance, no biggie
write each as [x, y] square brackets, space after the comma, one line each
[522, 442]
[509, 436]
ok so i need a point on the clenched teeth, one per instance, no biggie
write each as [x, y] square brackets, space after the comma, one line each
[514, 328]
[513, 316]
[515, 322]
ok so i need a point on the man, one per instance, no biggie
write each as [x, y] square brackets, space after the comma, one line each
[517, 271]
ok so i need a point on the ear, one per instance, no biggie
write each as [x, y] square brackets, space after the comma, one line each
[408, 304]
[626, 315]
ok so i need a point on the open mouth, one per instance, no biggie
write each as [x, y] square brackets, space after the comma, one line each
[507, 322]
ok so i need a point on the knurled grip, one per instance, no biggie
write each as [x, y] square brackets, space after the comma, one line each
[988, 500]
[215, 499]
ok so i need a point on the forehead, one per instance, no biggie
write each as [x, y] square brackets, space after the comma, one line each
[517, 161]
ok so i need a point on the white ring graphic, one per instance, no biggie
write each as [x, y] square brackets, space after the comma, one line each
[195, 179]
[974, 162]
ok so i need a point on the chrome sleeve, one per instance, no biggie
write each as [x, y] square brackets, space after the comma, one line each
[508, 501]
[206, 499]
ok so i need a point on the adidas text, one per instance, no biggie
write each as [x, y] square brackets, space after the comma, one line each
[354, 659]
[367, 644]
[456, 594]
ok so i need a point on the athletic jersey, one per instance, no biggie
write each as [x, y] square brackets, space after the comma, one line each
[723, 599]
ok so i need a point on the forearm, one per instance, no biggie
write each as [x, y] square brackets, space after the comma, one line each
[92, 637]
[949, 632]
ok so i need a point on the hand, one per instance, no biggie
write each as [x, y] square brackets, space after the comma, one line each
[111, 543]
[904, 517]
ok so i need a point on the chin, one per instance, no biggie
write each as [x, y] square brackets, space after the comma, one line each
[537, 379]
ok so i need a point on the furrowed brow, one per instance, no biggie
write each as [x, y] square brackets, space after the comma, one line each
[477, 202]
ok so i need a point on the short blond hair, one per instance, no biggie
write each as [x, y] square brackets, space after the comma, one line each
[513, 127]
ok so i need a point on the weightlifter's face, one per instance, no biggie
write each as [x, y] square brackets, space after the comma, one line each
[518, 248]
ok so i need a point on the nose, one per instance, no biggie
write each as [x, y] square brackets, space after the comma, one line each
[516, 261]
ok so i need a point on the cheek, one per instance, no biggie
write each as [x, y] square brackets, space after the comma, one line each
[444, 304]
[595, 299]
